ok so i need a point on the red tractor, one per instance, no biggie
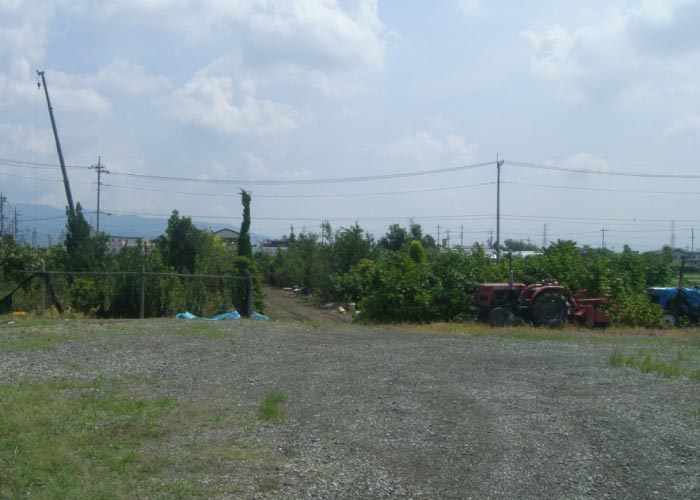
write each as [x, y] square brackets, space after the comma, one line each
[544, 304]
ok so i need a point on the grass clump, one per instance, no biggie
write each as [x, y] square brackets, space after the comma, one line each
[270, 409]
[646, 363]
[67, 439]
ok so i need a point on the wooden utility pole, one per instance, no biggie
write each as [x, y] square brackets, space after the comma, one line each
[499, 164]
[66, 184]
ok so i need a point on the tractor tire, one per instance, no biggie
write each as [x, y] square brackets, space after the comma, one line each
[498, 317]
[669, 320]
[549, 310]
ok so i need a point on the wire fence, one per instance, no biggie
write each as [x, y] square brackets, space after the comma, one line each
[122, 293]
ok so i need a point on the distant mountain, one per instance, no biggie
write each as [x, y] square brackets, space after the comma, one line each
[43, 224]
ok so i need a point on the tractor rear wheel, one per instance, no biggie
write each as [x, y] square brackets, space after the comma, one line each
[550, 310]
[498, 317]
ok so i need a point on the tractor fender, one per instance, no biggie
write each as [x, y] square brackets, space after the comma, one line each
[538, 291]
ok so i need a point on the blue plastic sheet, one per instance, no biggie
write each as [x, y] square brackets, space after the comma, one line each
[259, 316]
[228, 315]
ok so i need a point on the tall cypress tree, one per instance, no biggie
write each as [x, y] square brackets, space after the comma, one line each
[245, 248]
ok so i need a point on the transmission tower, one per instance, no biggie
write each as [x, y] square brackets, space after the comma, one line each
[673, 234]
[544, 236]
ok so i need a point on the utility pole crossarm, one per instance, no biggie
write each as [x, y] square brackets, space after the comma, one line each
[66, 184]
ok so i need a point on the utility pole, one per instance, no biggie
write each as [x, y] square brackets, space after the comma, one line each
[438, 241]
[461, 236]
[499, 164]
[448, 238]
[3, 200]
[692, 240]
[100, 169]
[603, 231]
[66, 184]
[14, 227]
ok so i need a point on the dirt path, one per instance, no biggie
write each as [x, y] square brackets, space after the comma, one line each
[284, 306]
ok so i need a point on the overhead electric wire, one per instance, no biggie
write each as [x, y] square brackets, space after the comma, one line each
[303, 181]
[601, 172]
[319, 196]
[604, 190]
[31, 164]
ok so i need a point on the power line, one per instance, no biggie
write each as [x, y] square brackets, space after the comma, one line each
[303, 181]
[604, 190]
[602, 172]
[31, 164]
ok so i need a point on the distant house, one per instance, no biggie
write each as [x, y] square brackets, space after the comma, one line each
[116, 243]
[691, 258]
[272, 246]
[228, 236]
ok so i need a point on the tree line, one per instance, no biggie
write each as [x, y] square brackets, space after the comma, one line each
[182, 249]
[403, 276]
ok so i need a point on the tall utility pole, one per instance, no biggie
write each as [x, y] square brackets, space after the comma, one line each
[603, 231]
[499, 164]
[66, 184]
[3, 200]
[15, 228]
[100, 169]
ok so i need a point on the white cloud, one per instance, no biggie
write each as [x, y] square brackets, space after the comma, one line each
[213, 102]
[422, 149]
[631, 55]
[687, 126]
[257, 168]
[130, 78]
[26, 138]
[471, 7]
[585, 161]
[318, 43]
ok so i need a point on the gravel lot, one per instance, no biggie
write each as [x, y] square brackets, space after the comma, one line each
[380, 413]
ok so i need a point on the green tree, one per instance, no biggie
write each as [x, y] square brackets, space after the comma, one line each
[180, 243]
[395, 238]
[83, 251]
[245, 248]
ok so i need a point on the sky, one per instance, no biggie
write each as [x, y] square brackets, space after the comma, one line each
[374, 112]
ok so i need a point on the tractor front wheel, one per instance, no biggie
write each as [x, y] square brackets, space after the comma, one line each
[549, 310]
[498, 317]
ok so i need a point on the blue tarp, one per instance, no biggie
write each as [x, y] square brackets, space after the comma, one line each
[228, 315]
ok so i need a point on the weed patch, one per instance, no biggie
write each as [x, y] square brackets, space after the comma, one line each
[68, 439]
[646, 363]
[270, 409]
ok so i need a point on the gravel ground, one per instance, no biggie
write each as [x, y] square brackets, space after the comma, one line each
[378, 413]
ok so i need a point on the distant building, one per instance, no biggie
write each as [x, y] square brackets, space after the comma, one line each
[228, 236]
[116, 243]
[691, 258]
[271, 247]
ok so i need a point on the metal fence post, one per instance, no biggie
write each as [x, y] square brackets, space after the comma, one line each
[43, 288]
[143, 291]
[249, 296]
